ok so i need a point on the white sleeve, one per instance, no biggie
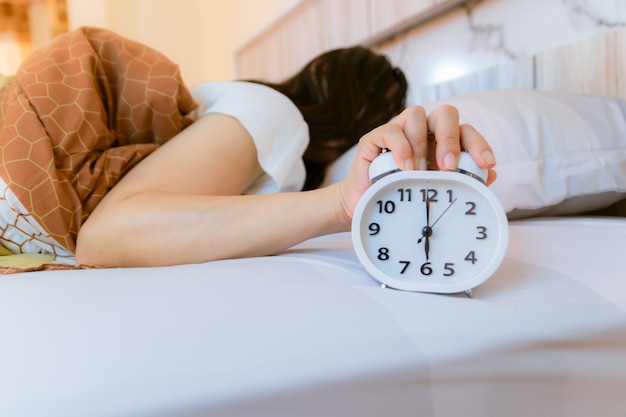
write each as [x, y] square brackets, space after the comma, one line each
[276, 125]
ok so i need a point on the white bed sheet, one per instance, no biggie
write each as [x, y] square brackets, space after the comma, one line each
[308, 333]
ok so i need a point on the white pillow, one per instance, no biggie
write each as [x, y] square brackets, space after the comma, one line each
[556, 153]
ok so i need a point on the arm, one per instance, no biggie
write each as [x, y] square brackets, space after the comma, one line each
[182, 204]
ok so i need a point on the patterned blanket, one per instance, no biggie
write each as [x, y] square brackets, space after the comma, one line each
[77, 116]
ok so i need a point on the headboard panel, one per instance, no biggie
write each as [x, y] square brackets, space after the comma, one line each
[314, 26]
[590, 66]
[452, 47]
[518, 74]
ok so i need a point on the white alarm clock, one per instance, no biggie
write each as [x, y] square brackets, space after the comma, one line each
[429, 231]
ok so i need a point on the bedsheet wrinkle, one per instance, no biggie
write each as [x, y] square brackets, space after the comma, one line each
[310, 333]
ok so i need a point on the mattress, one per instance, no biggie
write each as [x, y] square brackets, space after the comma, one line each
[309, 333]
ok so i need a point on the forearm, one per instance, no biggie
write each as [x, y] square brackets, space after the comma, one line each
[158, 228]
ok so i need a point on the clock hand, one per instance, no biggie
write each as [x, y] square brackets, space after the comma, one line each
[427, 231]
[427, 210]
[444, 212]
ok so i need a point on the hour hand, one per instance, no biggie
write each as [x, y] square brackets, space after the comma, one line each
[427, 231]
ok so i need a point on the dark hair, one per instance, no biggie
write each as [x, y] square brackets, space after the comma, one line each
[342, 94]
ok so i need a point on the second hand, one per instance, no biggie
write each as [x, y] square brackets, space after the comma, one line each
[444, 212]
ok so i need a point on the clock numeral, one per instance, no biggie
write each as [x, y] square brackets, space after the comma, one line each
[449, 268]
[383, 254]
[471, 257]
[471, 211]
[429, 194]
[482, 232]
[374, 229]
[386, 207]
[425, 269]
[450, 196]
[405, 194]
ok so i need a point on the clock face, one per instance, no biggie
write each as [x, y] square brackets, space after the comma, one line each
[430, 231]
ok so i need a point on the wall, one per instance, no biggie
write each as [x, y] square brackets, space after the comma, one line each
[488, 33]
[200, 35]
[26, 26]
[433, 41]
[315, 26]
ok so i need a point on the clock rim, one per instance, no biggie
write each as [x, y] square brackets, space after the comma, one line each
[480, 277]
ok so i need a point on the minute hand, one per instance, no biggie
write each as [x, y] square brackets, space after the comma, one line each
[444, 212]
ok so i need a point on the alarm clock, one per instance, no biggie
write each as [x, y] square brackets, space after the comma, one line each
[429, 231]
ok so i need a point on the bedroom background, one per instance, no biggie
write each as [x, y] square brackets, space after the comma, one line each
[546, 336]
[217, 27]
[223, 39]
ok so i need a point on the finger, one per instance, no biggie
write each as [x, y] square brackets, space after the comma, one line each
[491, 176]
[444, 122]
[388, 136]
[415, 127]
[476, 145]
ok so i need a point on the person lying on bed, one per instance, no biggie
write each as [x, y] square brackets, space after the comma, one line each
[186, 202]
[230, 184]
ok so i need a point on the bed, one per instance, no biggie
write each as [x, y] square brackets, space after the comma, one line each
[308, 333]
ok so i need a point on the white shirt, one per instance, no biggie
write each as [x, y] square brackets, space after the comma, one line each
[276, 125]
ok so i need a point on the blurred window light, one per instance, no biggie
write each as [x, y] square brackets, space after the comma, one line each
[448, 69]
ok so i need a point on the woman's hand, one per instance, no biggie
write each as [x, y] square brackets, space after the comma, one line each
[407, 136]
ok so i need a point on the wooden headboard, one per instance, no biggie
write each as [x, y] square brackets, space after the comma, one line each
[453, 47]
[590, 66]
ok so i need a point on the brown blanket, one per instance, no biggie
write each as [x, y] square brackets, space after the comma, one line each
[77, 116]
